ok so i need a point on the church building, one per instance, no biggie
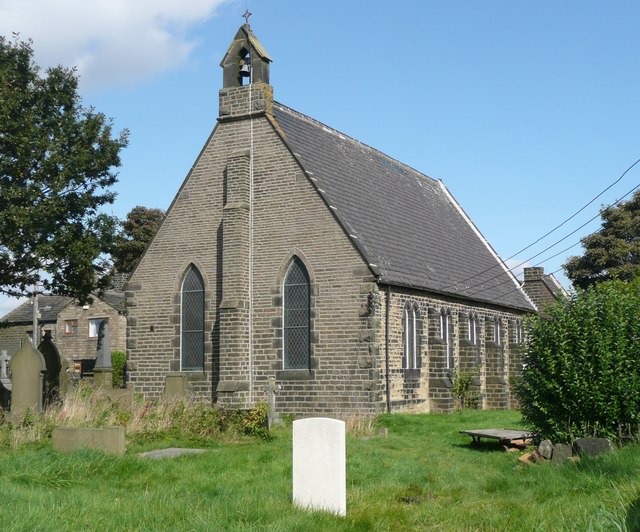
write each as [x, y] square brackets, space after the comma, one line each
[299, 266]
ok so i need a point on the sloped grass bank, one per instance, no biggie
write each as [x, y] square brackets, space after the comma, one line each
[423, 476]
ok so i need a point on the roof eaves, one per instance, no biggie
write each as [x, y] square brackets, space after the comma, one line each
[382, 281]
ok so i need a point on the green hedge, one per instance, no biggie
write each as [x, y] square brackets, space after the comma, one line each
[582, 365]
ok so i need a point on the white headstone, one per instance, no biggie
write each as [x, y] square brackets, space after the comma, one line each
[319, 465]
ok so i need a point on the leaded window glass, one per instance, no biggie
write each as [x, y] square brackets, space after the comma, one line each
[192, 321]
[296, 319]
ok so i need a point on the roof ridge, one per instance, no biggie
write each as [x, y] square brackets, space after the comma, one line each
[330, 129]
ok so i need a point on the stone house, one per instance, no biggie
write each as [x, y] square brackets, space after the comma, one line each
[73, 328]
[298, 262]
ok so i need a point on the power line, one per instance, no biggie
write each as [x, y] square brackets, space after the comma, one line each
[546, 249]
[551, 231]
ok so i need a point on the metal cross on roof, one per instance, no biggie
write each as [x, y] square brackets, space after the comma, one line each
[246, 16]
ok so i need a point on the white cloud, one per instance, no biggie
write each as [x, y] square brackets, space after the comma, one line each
[112, 42]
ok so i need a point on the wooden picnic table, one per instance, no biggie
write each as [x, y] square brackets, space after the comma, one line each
[504, 436]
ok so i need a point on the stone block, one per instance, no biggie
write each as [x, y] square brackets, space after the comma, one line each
[546, 449]
[319, 465]
[561, 453]
[28, 368]
[176, 386]
[103, 378]
[593, 446]
[108, 439]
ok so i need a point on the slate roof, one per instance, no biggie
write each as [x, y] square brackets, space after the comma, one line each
[50, 306]
[115, 298]
[406, 225]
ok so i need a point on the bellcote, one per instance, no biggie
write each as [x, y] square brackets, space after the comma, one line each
[246, 60]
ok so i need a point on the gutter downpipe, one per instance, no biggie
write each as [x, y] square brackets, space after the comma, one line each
[387, 342]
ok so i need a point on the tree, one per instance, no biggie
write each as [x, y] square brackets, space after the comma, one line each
[581, 374]
[614, 251]
[138, 229]
[57, 163]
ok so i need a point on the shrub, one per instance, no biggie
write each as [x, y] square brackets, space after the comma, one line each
[463, 390]
[581, 374]
[118, 362]
[254, 421]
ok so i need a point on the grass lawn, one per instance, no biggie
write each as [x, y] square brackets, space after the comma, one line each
[423, 476]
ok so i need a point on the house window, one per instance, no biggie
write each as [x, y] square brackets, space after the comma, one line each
[192, 321]
[94, 326]
[411, 329]
[445, 334]
[71, 327]
[296, 317]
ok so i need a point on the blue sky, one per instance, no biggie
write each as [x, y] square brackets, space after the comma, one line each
[526, 110]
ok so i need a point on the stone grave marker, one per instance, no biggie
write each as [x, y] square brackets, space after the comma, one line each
[65, 377]
[319, 465]
[27, 377]
[546, 449]
[272, 416]
[175, 386]
[52, 360]
[593, 446]
[103, 370]
[561, 453]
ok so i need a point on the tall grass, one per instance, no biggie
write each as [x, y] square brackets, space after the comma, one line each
[423, 476]
[144, 421]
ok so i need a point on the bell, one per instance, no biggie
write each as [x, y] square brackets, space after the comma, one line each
[245, 70]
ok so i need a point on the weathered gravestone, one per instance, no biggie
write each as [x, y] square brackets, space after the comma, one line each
[319, 465]
[561, 453]
[272, 416]
[52, 360]
[27, 376]
[107, 439]
[65, 377]
[175, 386]
[546, 449]
[103, 370]
[593, 446]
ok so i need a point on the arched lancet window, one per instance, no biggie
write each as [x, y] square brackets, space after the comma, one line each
[296, 319]
[519, 333]
[447, 337]
[498, 332]
[411, 329]
[192, 321]
[472, 333]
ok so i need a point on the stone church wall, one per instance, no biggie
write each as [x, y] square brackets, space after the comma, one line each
[429, 388]
[289, 218]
